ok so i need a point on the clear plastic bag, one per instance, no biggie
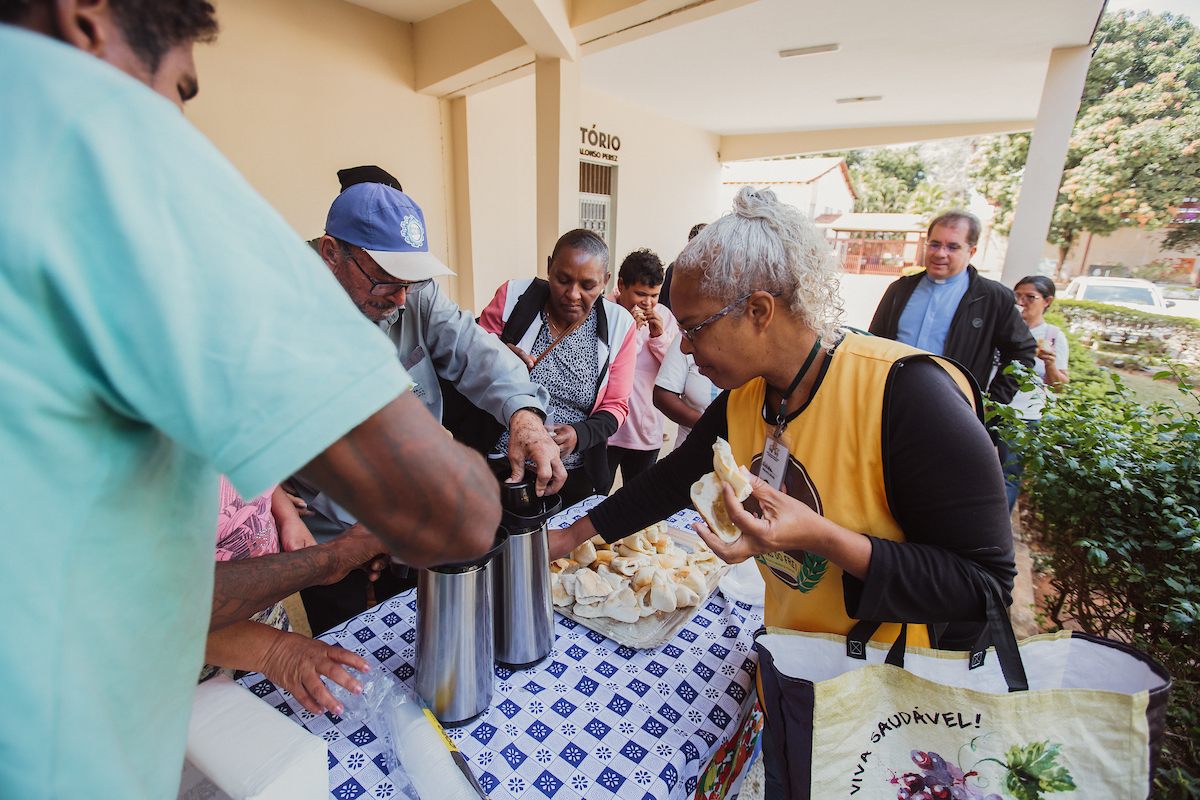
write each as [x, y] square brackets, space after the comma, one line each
[422, 761]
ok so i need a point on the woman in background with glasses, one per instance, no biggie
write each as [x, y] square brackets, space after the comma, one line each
[1034, 294]
[892, 502]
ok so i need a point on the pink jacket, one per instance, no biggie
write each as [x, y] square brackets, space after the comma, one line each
[643, 429]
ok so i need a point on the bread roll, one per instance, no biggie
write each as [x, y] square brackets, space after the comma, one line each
[669, 560]
[643, 601]
[615, 579]
[691, 577]
[590, 587]
[662, 592]
[638, 544]
[584, 554]
[707, 495]
[624, 566]
[727, 469]
[560, 594]
[643, 577]
[684, 596]
[563, 565]
[622, 606]
[588, 610]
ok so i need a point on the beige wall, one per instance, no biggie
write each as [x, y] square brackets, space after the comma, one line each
[294, 90]
[829, 191]
[668, 176]
[502, 154]
[667, 180]
[832, 195]
[1130, 247]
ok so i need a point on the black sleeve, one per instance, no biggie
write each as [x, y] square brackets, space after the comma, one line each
[665, 488]
[1014, 342]
[946, 491]
[594, 430]
[880, 322]
[664, 294]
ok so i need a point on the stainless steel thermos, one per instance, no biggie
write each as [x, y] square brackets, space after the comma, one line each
[454, 662]
[524, 615]
[495, 609]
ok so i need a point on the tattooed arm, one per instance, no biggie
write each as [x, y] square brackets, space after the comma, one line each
[244, 587]
[429, 499]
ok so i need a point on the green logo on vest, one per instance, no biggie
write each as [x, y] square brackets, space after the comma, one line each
[799, 569]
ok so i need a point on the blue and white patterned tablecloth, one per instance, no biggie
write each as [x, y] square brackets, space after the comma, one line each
[595, 719]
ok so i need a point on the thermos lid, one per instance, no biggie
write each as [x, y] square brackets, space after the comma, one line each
[521, 496]
[466, 566]
[534, 517]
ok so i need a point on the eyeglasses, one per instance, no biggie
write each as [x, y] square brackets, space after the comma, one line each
[951, 248]
[690, 332]
[385, 288]
[1030, 298]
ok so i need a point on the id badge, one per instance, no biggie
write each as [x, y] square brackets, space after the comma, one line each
[774, 462]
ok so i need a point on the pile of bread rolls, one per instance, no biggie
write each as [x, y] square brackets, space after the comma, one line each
[632, 578]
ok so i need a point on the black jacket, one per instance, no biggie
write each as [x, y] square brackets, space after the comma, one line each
[986, 322]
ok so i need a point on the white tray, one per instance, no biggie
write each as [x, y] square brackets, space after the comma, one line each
[661, 626]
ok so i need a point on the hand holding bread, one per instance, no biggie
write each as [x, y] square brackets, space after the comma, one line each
[786, 525]
[708, 497]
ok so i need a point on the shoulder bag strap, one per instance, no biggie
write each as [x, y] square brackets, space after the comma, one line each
[527, 307]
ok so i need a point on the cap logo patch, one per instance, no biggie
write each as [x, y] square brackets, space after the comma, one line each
[411, 230]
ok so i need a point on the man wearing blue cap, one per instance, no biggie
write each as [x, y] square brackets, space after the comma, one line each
[376, 245]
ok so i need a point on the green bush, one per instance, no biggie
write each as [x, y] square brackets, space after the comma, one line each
[1086, 374]
[1116, 490]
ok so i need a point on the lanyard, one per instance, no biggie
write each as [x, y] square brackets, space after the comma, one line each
[781, 418]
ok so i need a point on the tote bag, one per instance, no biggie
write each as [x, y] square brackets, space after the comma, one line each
[921, 724]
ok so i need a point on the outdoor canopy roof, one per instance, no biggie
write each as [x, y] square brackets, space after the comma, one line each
[939, 68]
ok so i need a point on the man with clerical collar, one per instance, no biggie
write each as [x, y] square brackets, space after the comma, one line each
[953, 311]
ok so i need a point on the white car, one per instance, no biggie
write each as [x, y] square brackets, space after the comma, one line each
[1128, 292]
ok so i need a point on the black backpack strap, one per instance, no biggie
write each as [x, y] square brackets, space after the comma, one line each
[602, 335]
[528, 306]
[950, 365]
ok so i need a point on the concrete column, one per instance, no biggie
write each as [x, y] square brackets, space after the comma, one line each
[1044, 167]
[457, 174]
[557, 98]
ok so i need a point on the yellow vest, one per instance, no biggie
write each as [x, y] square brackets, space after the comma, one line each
[835, 465]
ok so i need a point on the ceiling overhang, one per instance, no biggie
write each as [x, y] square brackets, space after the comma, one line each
[942, 68]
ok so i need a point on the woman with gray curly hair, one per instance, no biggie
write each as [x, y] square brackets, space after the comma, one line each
[880, 494]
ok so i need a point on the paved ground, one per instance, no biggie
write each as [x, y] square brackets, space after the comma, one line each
[860, 297]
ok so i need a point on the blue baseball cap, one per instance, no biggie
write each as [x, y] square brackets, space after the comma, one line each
[389, 226]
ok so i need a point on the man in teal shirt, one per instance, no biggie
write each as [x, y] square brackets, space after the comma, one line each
[161, 324]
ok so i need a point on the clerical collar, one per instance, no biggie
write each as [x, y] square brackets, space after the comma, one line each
[944, 281]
